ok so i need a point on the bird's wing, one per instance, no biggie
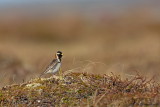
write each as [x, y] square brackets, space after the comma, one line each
[50, 66]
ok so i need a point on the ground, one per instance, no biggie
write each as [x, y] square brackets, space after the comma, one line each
[82, 89]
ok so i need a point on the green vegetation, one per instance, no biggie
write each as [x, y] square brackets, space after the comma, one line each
[81, 89]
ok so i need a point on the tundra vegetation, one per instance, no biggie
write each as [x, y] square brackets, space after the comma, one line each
[82, 89]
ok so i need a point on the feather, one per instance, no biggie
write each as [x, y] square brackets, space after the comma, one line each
[50, 66]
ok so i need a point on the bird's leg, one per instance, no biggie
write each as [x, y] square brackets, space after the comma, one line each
[60, 74]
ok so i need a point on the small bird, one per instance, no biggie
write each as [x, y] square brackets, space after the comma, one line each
[55, 65]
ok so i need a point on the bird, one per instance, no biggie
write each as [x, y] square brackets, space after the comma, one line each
[55, 64]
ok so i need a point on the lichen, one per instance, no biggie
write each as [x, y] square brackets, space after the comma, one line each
[79, 89]
[33, 85]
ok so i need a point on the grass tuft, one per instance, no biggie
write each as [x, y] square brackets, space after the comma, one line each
[80, 89]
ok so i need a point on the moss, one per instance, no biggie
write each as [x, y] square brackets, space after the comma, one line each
[80, 89]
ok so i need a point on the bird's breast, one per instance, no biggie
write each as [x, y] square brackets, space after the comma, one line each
[56, 68]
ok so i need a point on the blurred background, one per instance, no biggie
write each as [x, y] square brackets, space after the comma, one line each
[104, 36]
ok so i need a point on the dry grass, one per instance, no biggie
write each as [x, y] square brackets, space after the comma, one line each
[81, 89]
[121, 43]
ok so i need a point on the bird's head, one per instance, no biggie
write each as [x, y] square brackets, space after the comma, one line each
[59, 55]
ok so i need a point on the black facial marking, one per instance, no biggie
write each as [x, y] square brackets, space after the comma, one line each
[59, 54]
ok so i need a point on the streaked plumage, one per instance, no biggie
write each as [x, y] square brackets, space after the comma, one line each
[55, 65]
